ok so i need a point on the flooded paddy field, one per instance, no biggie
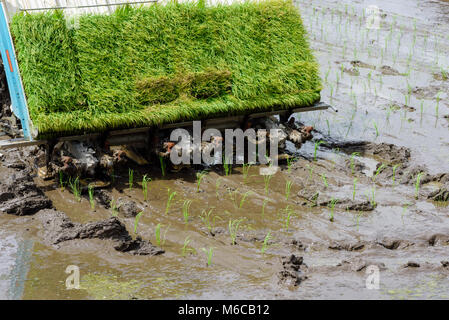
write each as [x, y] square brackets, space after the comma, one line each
[369, 192]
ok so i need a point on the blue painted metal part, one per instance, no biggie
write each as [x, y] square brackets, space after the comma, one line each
[15, 86]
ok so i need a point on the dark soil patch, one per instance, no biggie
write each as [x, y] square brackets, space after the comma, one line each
[59, 228]
[128, 208]
[294, 270]
[439, 239]
[429, 92]
[346, 246]
[394, 244]
[389, 71]
[20, 196]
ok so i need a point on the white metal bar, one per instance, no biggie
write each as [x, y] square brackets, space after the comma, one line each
[70, 7]
[85, 6]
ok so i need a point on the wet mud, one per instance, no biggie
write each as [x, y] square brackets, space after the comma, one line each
[369, 190]
[8, 123]
[59, 228]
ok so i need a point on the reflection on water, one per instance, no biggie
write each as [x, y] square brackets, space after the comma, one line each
[15, 256]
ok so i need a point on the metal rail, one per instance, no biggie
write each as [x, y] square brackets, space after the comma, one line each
[140, 135]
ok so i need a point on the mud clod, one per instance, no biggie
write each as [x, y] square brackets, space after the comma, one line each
[298, 244]
[294, 270]
[8, 122]
[393, 244]
[253, 236]
[358, 264]
[5, 101]
[22, 158]
[128, 208]
[389, 71]
[389, 153]
[412, 264]
[103, 198]
[352, 71]
[346, 246]
[310, 195]
[442, 178]
[354, 165]
[20, 195]
[438, 240]
[349, 204]
[59, 228]
[429, 92]
[442, 194]
[139, 247]
[409, 176]
[316, 199]
[217, 230]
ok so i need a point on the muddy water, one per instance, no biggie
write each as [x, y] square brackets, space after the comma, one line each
[377, 222]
